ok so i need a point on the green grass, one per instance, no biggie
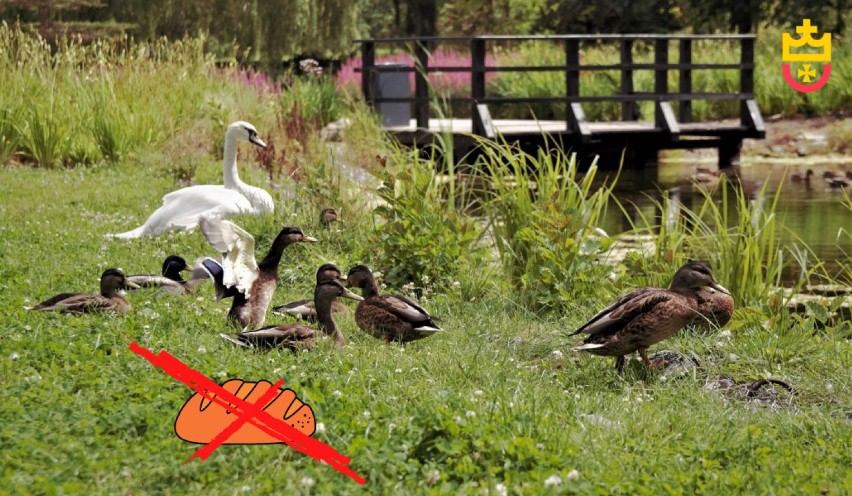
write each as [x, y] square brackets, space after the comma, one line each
[496, 402]
[486, 403]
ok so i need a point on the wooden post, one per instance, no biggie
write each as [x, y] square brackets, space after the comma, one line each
[628, 108]
[572, 76]
[421, 86]
[685, 58]
[368, 62]
[746, 75]
[477, 82]
[661, 80]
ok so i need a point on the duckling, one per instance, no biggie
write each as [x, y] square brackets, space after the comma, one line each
[714, 309]
[109, 301]
[300, 335]
[305, 308]
[388, 317]
[327, 217]
[171, 281]
[798, 177]
[647, 315]
[255, 282]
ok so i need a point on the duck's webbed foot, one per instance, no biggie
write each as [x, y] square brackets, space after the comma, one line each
[656, 364]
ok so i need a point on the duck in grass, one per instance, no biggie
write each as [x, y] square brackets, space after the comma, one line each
[172, 280]
[714, 309]
[647, 316]
[388, 317]
[296, 336]
[328, 216]
[306, 309]
[254, 282]
[109, 301]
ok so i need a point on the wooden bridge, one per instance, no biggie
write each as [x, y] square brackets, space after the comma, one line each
[672, 125]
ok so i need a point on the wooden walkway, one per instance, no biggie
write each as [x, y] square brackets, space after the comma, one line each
[672, 127]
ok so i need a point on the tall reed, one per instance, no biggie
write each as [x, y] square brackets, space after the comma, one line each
[544, 215]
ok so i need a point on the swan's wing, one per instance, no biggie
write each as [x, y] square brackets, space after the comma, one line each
[237, 247]
[623, 310]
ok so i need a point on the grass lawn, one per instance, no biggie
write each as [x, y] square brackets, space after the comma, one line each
[490, 406]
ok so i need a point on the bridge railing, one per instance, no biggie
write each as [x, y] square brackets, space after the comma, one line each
[421, 48]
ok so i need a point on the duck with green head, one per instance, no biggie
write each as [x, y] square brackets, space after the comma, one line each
[647, 316]
[108, 301]
[171, 280]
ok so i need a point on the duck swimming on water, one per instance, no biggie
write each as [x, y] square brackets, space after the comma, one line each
[183, 208]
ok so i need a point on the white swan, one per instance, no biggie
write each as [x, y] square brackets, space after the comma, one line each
[182, 208]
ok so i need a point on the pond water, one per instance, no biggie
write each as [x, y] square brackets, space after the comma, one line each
[811, 211]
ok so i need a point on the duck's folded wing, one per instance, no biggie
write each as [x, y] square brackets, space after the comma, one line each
[624, 310]
[407, 310]
[49, 303]
[275, 335]
[298, 308]
[82, 303]
[152, 281]
[237, 248]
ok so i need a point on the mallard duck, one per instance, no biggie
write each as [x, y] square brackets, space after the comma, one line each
[798, 177]
[255, 282]
[109, 301]
[305, 308]
[172, 280]
[300, 335]
[647, 316]
[388, 317]
[714, 308]
[327, 217]
[183, 208]
[837, 182]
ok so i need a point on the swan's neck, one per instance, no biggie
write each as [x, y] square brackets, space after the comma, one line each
[229, 165]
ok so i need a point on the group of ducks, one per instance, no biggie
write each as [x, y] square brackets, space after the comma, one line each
[251, 286]
[630, 324]
[834, 180]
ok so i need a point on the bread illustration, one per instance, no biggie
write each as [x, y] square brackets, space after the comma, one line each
[201, 419]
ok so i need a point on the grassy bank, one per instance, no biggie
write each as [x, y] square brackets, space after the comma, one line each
[496, 403]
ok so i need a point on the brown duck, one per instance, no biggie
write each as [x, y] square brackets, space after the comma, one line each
[306, 309]
[109, 301]
[327, 217]
[647, 316]
[300, 335]
[388, 317]
[714, 309]
[254, 282]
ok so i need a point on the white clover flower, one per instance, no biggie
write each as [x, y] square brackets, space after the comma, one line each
[501, 489]
[829, 387]
[28, 328]
[366, 414]
[398, 371]
[221, 373]
[553, 480]
[456, 285]
[573, 475]
[14, 356]
[470, 414]
[478, 392]
[202, 349]
[336, 393]
[557, 354]
[245, 489]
